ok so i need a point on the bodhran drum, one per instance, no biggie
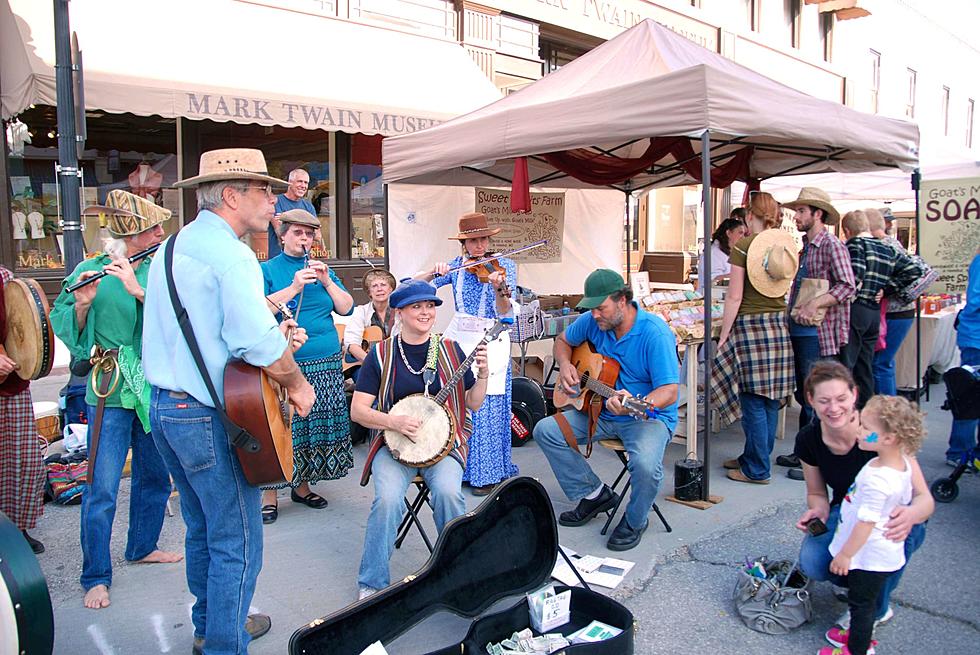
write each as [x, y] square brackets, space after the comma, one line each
[30, 339]
[434, 438]
[26, 618]
[527, 406]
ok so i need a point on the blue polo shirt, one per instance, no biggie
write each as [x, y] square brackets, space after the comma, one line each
[647, 357]
[284, 204]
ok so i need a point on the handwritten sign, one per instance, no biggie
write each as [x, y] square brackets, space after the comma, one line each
[546, 221]
[950, 230]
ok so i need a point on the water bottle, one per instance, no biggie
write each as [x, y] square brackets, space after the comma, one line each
[565, 309]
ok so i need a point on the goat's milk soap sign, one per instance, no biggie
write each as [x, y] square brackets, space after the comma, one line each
[950, 230]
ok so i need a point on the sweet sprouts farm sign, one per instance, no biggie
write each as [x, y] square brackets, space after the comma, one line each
[950, 228]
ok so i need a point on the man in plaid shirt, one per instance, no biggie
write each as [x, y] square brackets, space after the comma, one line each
[874, 264]
[823, 257]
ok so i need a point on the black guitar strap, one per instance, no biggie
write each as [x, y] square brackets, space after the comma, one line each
[240, 438]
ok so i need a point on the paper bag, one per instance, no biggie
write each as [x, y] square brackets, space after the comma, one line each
[810, 288]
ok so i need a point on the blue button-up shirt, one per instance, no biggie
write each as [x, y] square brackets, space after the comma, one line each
[220, 284]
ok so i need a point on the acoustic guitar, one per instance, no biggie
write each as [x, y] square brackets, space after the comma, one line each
[372, 334]
[597, 378]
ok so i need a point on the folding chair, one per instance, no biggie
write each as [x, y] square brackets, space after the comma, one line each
[616, 445]
[412, 513]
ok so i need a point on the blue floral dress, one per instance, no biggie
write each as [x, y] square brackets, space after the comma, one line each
[489, 459]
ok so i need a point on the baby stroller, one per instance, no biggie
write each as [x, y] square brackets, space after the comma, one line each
[963, 399]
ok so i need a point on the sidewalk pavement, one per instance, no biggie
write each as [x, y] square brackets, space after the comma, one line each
[679, 590]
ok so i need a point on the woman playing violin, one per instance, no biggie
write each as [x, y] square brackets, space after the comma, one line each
[483, 293]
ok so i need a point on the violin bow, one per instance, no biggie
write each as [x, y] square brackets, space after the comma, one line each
[536, 244]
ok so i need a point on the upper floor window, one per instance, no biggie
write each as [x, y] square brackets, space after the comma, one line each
[910, 101]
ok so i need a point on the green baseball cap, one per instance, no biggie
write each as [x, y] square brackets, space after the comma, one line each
[600, 283]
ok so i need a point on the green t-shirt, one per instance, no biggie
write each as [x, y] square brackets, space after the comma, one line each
[114, 318]
[753, 302]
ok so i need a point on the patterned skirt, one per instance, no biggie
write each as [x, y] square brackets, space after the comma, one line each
[757, 358]
[21, 466]
[322, 448]
[489, 460]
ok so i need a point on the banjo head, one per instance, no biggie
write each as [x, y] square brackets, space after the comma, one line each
[434, 439]
[30, 339]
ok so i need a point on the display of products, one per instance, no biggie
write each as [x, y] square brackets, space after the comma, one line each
[935, 303]
[684, 312]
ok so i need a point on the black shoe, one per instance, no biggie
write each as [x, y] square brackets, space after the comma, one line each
[256, 625]
[791, 461]
[587, 509]
[35, 545]
[624, 537]
[795, 474]
[310, 500]
[270, 513]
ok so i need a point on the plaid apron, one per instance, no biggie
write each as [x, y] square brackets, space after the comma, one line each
[757, 358]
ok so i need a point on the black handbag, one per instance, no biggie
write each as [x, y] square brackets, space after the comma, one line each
[507, 546]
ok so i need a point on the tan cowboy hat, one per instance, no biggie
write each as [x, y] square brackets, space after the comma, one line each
[473, 226]
[232, 164]
[771, 262]
[125, 214]
[811, 196]
[300, 217]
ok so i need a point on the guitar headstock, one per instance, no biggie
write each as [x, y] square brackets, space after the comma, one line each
[637, 408]
[502, 324]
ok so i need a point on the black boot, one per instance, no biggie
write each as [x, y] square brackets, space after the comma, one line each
[36, 545]
[587, 509]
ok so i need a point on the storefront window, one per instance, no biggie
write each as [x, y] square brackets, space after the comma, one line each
[367, 198]
[133, 153]
[285, 149]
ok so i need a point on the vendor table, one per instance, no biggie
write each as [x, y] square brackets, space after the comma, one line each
[938, 347]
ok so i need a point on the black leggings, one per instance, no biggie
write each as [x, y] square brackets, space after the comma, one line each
[863, 588]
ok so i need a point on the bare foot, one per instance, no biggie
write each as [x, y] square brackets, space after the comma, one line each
[161, 557]
[97, 597]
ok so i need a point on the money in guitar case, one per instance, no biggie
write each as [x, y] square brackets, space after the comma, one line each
[465, 576]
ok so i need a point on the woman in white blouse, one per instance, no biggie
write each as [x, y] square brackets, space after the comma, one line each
[379, 284]
[730, 231]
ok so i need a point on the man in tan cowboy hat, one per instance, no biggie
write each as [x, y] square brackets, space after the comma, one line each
[219, 283]
[107, 315]
[824, 257]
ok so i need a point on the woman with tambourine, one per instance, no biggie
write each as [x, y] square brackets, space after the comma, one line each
[414, 362]
[483, 293]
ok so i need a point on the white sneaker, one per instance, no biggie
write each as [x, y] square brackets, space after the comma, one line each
[844, 620]
[363, 592]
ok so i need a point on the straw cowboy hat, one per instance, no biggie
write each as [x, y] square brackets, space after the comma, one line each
[232, 164]
[811, 196]
[771, 262]
[300, 217]
[473, 226]
[125, 214]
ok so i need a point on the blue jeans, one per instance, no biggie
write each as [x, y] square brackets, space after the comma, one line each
[391, 482]
[759, 418]
[806, 351]
[884, 362]
[223, 545]
[644, 441]
[150, 488]
[815, 558]
[965, 434]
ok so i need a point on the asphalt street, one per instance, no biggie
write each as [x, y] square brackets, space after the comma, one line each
[679, 590]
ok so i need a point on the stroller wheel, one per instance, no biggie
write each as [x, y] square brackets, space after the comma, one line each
[944, 490]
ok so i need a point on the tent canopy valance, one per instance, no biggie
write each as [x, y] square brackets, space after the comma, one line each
[650, 82]
[241, 62]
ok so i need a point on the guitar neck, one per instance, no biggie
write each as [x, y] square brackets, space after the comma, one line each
[465, 366]
[598, 387]
[636, 406]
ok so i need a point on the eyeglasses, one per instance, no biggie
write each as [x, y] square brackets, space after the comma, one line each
[265, 188]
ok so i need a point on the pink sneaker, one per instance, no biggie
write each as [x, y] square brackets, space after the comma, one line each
[837, 636]
[842, 649]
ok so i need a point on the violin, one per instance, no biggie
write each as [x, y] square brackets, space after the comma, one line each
[483, 268]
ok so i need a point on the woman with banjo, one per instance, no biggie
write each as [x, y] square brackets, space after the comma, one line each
[483, 293]
[415, 372]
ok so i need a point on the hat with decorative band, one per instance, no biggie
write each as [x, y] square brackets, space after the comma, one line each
[125, 214]
[232, 164]
[473, 226]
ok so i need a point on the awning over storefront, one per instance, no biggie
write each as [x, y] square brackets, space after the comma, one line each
[228, 60]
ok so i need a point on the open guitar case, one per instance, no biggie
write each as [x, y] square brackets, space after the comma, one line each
[507, 546]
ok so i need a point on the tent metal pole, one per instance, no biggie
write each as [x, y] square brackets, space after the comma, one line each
[706, 285]
[627, 233]
[916, 182]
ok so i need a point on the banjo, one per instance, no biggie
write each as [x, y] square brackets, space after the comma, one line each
[434, 438]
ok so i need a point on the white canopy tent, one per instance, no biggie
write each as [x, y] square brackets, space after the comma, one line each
[616, 102]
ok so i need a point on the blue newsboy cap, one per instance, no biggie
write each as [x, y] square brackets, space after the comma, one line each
[412, 291]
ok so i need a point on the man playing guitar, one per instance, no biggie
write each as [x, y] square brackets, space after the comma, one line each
[645, 349]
